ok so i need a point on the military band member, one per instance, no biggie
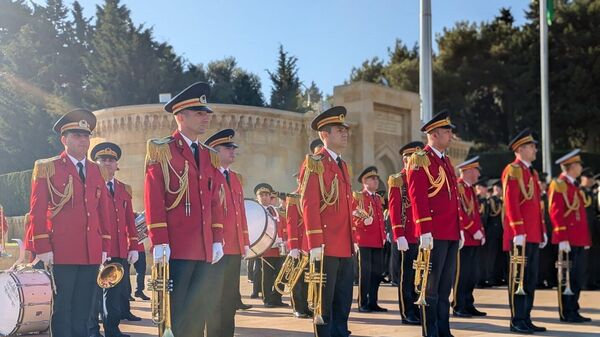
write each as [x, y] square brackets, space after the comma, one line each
[494, 255]
[327, 213]
[70, 223]
[184, 211]
[483, 192]
[434, 200]
[122, 232]
[370, 236]
[235, 236]
[405, 235]
[469, 261]
[524, 226]
[571, 232]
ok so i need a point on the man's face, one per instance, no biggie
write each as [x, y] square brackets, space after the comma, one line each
[442, 137]
[371, 183]
[196, 121]
[76, 143]
[110, 164]
[337, 138]
[497, 190]
[471, 175]
[481, 190]
[586, 181]
[264, 198]
[528, 152]
[575, 170]
[226, 154]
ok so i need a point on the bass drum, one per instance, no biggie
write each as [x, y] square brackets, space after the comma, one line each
[26, 297]
[262, 229]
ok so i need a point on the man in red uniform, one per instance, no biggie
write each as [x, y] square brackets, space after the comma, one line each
[70, 223]
[235, 237]
[434, 200]
[524, 226]
[405, 235]
[327, 206]
[472, 231]
[370, 236]
[184, 212]
[571, 232]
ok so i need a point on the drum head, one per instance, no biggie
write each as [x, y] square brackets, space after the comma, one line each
[262, 229]
[10, 299]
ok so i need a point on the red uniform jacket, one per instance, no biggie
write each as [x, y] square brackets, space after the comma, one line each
[434, 206]
[470, 221]
[400, 210]
[327, 223]
[28, 235]
[281, 223]
[122, 231]
[567, 213]
[68, 217]
[522, 204]
[235, 231]
[295, 226]
[371, 236]
[189, 218]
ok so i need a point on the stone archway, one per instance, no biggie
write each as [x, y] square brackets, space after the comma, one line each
[387, 162]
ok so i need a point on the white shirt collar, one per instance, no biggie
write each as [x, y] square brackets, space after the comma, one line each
[467, 183]
[333, 155]
[437, 152]
[75, 161]
[571, 179]
[111, 181]
[528, 164]
[188, 141]
[222, 169]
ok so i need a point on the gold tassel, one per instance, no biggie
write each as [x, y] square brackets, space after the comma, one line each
[157, 151]
[418, 159]
[44, 168]
[214, 158]
[395, 180]
[314, 164]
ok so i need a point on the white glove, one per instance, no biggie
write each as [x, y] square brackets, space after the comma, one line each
[294, 253]
[426, 241]
[217, 252]
[545, 242]
[519, 240]
[586, 247]
[478, 235]
[483, 241]
[105, 257]
[356, 248]
[368, 221]
[246, 250]
[564, 246]
[315, 254]
[47, 258]
[402, 243]
[133, 256]
[461, 241]
[160, 250]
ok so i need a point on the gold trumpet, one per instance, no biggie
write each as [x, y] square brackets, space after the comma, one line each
[518, 260]
[564, 278]
[110, 275]
[422, 266]
[316, 280]
[161, 286]
[290, 273]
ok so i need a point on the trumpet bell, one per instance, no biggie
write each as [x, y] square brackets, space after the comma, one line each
[110, 275]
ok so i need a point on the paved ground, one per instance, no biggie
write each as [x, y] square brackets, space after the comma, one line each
[261, 322]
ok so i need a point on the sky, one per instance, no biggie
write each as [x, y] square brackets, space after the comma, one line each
[329, 37]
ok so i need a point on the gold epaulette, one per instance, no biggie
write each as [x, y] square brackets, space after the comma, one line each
[293, 199]
[314, 163]
[103, 172]
[128, 189]
[515, 171]
[357, 195]
[557, 185]
[157, 151]
[44, 168]
[395, 180]
[239, 177]
[418, 159]
[214, 156]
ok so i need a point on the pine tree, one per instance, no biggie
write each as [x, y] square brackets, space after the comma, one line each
[285, 90]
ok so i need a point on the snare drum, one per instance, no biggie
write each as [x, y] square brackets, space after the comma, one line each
[25, 297]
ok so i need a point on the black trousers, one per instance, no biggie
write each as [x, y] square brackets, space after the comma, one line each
[97, 299]
[435, 316]
[140, 272]
[256, 275]
[568, 306]
[406, 287]
[371, 269]
[521, 305]
[221, 319]
[192, 296]
[125, 304]
[336, 297]
[72, 303]
[395, 262]
[114, 303]
[466, 278]
[270, 268]
[387, 257]
[300, 295]
[547, 270]
[492, 254]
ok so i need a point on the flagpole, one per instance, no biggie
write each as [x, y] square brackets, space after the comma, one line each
[425, 54]
[546, 158]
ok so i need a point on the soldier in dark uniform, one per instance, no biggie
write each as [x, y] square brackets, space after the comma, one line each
[547, 273]
[496, 261]
[590, 190]
[481, 190]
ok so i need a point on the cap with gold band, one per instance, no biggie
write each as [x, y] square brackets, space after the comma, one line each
[332, 116]
[314, 144]
[472, 163]
[223, 138]
[263, 187]
[78, 120]
[194, 97]
[570, 158]
[367, 172]
[439, 120]
[411, 148]
[106, 150]
[522, 138]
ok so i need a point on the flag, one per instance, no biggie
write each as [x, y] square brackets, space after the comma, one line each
[549, 11]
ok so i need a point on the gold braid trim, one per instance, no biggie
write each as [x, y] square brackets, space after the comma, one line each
[587, 201]
[222, 198]
[560, 186]
[44, 168]
[314, 165]
[516, 172]
[360, 209]
[158, 152]
[420, 159]
[467, 207]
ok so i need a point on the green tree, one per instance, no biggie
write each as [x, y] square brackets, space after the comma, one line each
[285, 89]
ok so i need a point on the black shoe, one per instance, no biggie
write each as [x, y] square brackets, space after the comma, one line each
[574, 319]
[253, 295]
[300, 315]
[281, 305]
[122, 335]
[140, 294]
[131, 299]
[96, 334]
[534, 327]
[242, 306]
[269, 305]
[463, 314]
[521, 327]
[585, 319]
[473, 311]
[377, 308]
[132, 318]
[364, 309]
[411, 320]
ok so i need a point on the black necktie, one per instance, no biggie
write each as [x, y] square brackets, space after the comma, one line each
[272, 211]
[226, 173]
[81, 174]
[196, 154]
[110, 188]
